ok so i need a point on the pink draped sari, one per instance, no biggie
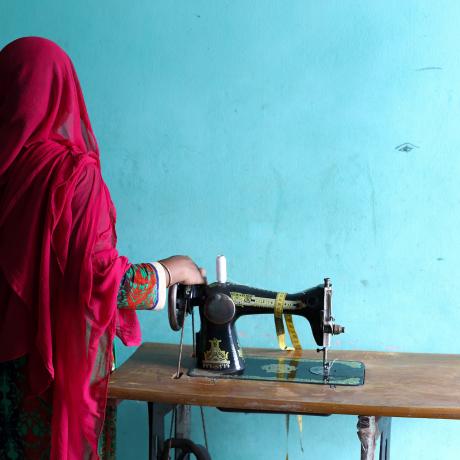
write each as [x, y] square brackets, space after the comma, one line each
[60, 270]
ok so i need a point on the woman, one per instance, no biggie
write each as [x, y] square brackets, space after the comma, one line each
[64, 290]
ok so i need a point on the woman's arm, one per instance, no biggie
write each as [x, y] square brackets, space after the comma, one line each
[143, 286]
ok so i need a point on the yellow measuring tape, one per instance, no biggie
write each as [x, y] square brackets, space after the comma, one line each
[279, 326]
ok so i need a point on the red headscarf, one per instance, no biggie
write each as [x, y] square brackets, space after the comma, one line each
[59, 269]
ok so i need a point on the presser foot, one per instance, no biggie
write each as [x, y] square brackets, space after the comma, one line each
[325, 369]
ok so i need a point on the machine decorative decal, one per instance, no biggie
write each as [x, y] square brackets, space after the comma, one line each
[279, 368]
[215, 358]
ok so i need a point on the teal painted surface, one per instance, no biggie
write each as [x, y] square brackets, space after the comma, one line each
[267, 131]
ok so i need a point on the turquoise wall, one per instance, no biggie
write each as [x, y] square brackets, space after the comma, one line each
[267, 131]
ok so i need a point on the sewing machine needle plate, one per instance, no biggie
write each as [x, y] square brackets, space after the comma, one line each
[296, 370]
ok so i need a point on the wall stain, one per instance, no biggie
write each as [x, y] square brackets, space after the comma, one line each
[423, 69]
[440, 259]
[365, 283]
[406, 147]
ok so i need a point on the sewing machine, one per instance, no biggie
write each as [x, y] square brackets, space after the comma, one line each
[218, 351]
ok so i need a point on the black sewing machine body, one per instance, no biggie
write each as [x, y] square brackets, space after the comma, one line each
[221, 304]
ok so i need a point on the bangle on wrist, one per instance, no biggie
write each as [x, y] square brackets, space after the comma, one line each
[169, 274]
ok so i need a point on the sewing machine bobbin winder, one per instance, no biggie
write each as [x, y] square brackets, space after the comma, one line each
[218, 352]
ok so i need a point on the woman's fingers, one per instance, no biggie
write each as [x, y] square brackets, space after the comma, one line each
[196, 276]
[203, 275]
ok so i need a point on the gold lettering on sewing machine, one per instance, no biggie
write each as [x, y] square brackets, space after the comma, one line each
[215, 358]
[249, 300]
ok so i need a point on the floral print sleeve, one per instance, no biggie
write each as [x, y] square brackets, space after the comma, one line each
[140, 287]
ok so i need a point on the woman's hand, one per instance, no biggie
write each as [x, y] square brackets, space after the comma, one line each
[182, 269]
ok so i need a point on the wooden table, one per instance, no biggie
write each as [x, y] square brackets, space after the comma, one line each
[396, 385]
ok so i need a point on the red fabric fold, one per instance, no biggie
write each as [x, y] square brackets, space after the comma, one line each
[58, 257]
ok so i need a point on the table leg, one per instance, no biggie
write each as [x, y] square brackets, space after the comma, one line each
[157, 413]
[385, 430]
[183, 419]
[370, 429]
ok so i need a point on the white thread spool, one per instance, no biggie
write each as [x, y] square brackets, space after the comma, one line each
[221, 269]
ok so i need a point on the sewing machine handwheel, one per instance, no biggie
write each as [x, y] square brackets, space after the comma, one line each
[176, 308]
